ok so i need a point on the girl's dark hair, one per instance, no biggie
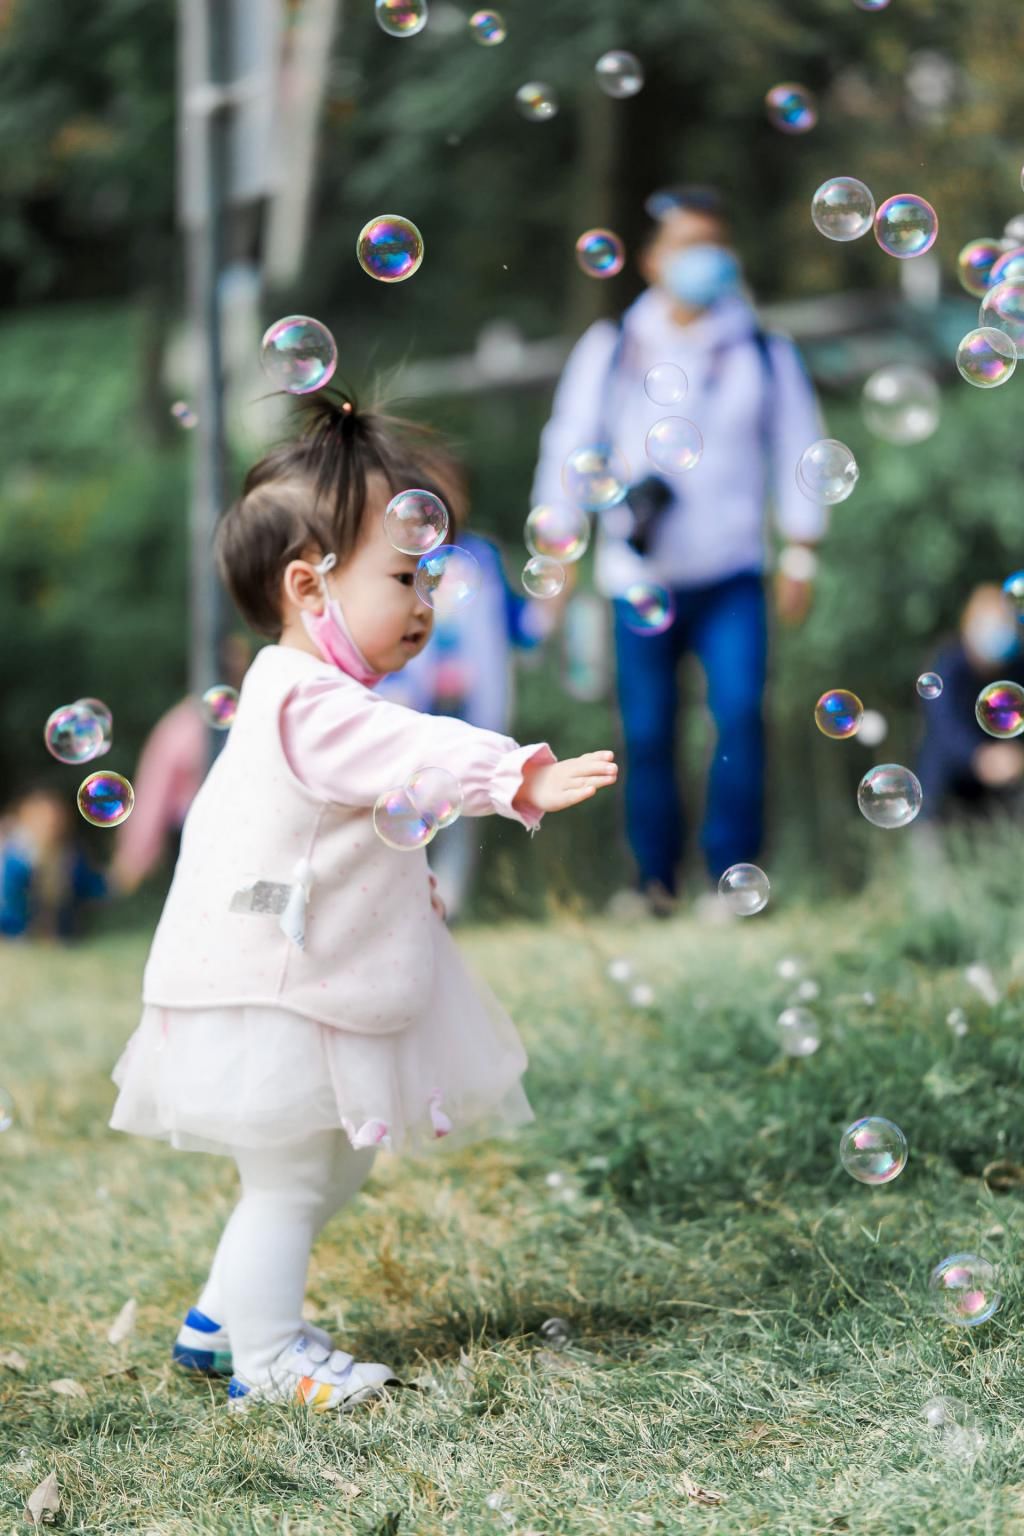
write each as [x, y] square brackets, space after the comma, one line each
[309, 495]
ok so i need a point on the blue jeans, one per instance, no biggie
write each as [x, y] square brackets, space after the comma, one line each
[725, 626]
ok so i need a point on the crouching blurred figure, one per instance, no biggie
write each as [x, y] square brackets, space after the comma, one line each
[45, 878]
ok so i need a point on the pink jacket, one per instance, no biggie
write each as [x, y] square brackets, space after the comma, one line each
[283, 894]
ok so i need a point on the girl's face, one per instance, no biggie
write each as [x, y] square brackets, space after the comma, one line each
[388, 621]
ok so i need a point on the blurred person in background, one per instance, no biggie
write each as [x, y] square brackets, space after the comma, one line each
[700, 535]
[45, 878]
[962, 769]
[466, 670]
[173, 763]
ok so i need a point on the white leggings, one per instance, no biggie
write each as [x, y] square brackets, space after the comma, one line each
[258, 1277]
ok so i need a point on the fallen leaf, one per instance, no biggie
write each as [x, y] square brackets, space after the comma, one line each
[332, 1475]
[44, 1502]
[12, 1360]
[1001, 1176]
[123, 1324]
[692, 1490]
[121, 1370]
[66, 1386]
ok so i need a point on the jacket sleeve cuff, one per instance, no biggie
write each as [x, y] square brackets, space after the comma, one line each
[508, 780]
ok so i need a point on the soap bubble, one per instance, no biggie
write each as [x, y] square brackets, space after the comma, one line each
[436, 794]
[447, 578]
[974, 264]
[798, 1032]
[536, 101]
[956, 1022]
[665, 384]
[842, 208]
[674, 445]
[641, 995]
[556, 1332]
[791, 108]
[871, 5]
[562, 533]
[298, 354]
[398, 823]
[620, 971]
[600, 253]
[649, 610]
[415, 521]
[963, 1289]
[595, 478]
[889, 796]
[789, 967]
[873, 1150]
[1013, 232]
[744, 889]
[543, 577]
[1013, 586]
[901, 404]
[401, 18]
[6, 1110]
[105, 799]
[103, 715]
[874, 728]
[184, 415]
[955, 1428]
[1003, 308]
[220, 706]
[838, 713]
[906, 225]
[74, 734]
[827, 471]
[1008, 267]
[986, 357]
[488, 27]
[619, 74]
[929, 685]
[389, 248]
[999, 709]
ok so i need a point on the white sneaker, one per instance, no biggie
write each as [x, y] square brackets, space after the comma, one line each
[310, 1372]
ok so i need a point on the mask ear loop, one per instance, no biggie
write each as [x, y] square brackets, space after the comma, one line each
[328, 563]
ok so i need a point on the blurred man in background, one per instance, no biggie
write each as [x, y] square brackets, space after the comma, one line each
[699, 535]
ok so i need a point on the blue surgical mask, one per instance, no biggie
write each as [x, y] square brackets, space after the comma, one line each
[700, 275]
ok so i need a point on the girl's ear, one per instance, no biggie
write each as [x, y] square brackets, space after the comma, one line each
[300, 587]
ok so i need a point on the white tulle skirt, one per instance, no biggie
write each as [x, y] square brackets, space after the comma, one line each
[211, 1079]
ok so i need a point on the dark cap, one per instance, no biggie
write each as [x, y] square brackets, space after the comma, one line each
[692, 198]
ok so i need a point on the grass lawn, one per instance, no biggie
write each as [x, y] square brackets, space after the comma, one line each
[751, 1339]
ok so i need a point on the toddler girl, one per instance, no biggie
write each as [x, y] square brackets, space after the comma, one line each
[303, 1002]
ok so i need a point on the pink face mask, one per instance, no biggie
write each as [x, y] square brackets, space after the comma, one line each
[331, 635]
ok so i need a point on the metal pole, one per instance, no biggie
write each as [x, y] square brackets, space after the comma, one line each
[209, 116]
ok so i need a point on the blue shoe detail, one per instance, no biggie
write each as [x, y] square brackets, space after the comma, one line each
[200, 1359]
[238, 1388]
[200, 1321]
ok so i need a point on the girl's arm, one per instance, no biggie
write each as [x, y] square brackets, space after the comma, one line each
[349, 745]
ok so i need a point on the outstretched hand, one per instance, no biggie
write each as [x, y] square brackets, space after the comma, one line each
[556, 786]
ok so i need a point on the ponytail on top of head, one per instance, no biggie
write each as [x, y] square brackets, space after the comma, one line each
[311, 495]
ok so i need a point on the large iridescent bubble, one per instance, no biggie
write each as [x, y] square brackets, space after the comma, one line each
[220, 706]
[827, 471]
[889, 796]
[401, 18]
[665, 384]
[975, 263]
[74, 734]
[744, 889]
[600, 253]
[488, 27]
[649, 609]
[838, 714]
[986, 357]
[400, 824]
[543, 577]
[901, 404]
[843, 208]
[674, 445]
[560, 532]
[1003, 308]
[999, 709]
[964, 1289]
[595, 478]
[105, 799]
[298, 354]
[791, 108]
[436, 794]
[1013, 586]
[873, 1150]
[415, 521]
[447, 578]
[389, 248]
[1008, 267]
[906, 225]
